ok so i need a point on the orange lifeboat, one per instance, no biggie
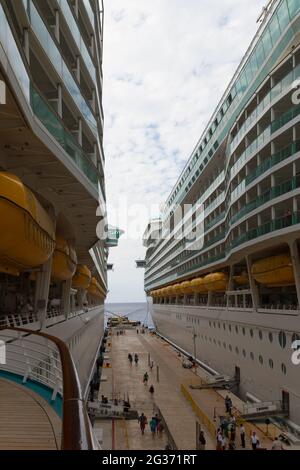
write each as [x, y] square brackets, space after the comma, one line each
[27, 235]
[216, 282]
[64, 261]
[82, 278]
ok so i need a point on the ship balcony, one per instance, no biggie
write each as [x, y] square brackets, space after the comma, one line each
[38, 147]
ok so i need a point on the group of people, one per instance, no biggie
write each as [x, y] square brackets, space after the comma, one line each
[133, 357]
[156, 425]
[226, 435]
[121, 332]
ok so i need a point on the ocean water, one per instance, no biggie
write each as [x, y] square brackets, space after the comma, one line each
[134, 311]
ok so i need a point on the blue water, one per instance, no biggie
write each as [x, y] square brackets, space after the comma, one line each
[134, 311]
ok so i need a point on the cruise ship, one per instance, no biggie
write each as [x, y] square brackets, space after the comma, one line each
[53, 267]
[233, 300]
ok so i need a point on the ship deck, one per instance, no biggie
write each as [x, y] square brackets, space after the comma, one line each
[27, 422]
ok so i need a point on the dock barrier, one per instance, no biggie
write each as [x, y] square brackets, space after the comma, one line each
[203, 417]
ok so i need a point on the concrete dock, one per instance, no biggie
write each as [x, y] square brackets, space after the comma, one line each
[179, 405]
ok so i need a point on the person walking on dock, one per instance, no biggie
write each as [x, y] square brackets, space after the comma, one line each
[254, 440]
[146, 378]
[136, 359]
[243, 436]
[202, 441]
[153, 426]
[143, 421]
[151, 390]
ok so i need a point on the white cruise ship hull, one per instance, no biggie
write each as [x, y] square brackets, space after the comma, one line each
[227, 339]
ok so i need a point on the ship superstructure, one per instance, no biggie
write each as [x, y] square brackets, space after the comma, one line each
[52, 191]
[235, 300]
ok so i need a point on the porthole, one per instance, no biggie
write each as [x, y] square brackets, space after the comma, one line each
[251, 333]
[282, 339]
[261, 360]
[252, 356]
[283, 368]
[244, 331]
[214, 324]
[271, 337]
[219, 325]
[271, 363]
[210, 324]
[260, 335]
[237, 329]
[229, 328]
[224, 326]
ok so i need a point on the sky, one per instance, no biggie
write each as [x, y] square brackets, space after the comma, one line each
[166, 66]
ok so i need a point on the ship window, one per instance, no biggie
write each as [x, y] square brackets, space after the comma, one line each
[252, 356]
[283, 368]
[282, 339]
[244, 353]
[224, 345]
[215, 341]
[251, 333]
[224, 326]
[260, 335]
[244, 331]
[274, 29]
[230, 328]
[271, 337]
[283, 16]
[219, 343]
[237, 329]
[294, 7]
[261, 360]
[219, 325]
[271, 364]
[266, 41]
[230, 347]
[237, 350]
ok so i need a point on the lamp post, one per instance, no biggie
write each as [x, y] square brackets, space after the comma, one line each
[194, 342]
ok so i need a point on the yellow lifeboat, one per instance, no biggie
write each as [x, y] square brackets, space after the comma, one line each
[95, 289]
[178, 289]
[216, 282]
[173, 290]
[187, 287]
[198, 285]
[164, 292]
[82, 278]
[27, 235]
[64, 261]
[275, 271]
[241, 279]
[169, 291]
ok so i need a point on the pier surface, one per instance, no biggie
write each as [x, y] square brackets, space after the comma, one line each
[180, 406]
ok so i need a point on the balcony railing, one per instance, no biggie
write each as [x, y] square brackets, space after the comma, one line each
[278, 157]
[285, 118]
[66, 140]
[272, 193]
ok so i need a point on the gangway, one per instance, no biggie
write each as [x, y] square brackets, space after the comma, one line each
[264, 410]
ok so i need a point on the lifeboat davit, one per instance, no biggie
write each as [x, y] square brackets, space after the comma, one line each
[198, 285]
[241, 279]
[275, 271]
[27, 235]
[216, 282]
[82, 278]
[64, 261]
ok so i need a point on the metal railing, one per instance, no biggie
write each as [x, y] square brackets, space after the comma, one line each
[46, 360]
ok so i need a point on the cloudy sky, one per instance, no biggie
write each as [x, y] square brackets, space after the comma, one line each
[166, 65]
